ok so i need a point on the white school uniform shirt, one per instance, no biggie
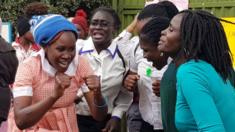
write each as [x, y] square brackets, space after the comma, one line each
[109, 66]
[149, 103]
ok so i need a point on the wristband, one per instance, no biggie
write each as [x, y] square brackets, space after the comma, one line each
[116, 118]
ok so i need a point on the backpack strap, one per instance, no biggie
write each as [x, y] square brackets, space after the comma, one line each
[122, 58]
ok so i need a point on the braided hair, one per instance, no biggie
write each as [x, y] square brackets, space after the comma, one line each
[203, 37]
[151, 32]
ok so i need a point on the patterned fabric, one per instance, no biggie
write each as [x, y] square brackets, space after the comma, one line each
[31, 75]
[21, 53]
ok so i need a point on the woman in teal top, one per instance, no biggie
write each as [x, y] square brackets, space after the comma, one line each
[205, 97]
[204, 101]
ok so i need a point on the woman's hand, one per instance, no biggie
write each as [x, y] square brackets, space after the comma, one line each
[130, 82]
[156, 87]
[62, 82]
[93, 83]
[95, 100]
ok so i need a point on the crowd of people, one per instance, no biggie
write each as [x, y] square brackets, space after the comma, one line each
[169, 70]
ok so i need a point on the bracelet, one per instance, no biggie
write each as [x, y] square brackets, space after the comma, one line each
[100, 106]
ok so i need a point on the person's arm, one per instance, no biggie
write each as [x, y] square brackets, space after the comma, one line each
[26, 113]
[130, 81]
[121, 105]
[92, 91]
[126, 34]
[125, 41]
[95, 100]
[193, 86]
[132, 27]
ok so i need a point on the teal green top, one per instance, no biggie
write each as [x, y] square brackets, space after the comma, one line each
[168, 98]
[204, 101]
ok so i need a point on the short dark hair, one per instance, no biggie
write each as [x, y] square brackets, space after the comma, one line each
[112, 12]
[163, 8]
[35, 8]
[151, 32]
[203, 37]
[22, 25]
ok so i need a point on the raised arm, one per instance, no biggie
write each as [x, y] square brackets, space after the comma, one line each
[90, 85]
[95, 100]
[28, 114]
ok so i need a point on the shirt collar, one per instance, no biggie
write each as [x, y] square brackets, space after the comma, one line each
[71, 71]
[89, 47]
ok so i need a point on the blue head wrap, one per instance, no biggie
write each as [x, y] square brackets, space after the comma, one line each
[44, 28]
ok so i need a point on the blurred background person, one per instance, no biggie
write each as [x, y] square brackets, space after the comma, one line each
[8, 67]
[80, 21]
[24, 43]
[35, 8]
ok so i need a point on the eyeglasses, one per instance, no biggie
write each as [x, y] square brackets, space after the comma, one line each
[102, 24]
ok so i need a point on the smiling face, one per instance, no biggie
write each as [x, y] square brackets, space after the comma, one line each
[150, 51]
[152, 54]
[102, 28]
[61, 52]
[170, 38]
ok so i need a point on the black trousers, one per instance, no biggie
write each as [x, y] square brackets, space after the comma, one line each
[146, 127]
[88, 124]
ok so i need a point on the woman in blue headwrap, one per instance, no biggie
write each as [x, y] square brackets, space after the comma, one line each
[46, 84]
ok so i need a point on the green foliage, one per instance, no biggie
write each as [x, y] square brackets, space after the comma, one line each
[10, 10]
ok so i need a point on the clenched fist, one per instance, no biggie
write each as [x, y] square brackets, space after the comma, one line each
[156, 87]
[62, 81]
[93, 83]
[130, 82]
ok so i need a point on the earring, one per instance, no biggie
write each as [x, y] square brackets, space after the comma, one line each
[186, 52]
[161, 54]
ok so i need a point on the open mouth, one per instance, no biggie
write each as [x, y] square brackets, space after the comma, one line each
[97, 35]
[64, 64]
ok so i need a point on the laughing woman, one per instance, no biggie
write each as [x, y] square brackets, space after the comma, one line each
[46, 84]
[107, 60]
[205, 97]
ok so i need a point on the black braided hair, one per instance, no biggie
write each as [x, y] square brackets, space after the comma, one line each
[112, 12]
[151, 32]
[203, 37]
[163, 8]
